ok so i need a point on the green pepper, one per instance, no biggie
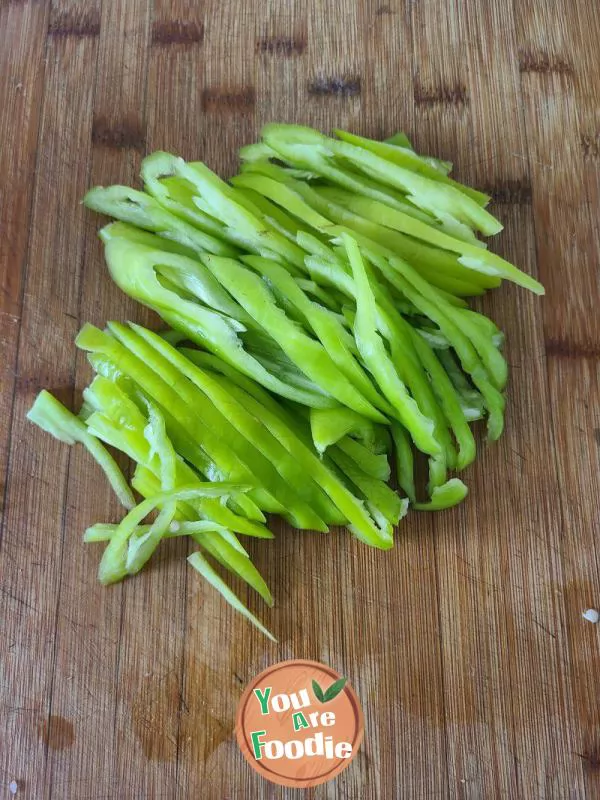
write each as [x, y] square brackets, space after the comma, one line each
[310, 356]
[138, 208]
[132, 267]
[199, 563]
[405, 156]
[338, 343]
[247, 425]
[404, 461]
[471, 256]
[376, 358]
[113, 564]
[49, 414]
[308, 148]
[383, 503]
[450, 494]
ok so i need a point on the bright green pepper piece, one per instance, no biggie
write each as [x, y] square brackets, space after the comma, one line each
[448, 400]
[404, 461]
[147, 484]
[375, 465]
[450, 494]
[220, 200]
[112, 566]
[383, 503]
[470, 256]
[329, 425]
[218, 422]
[334, 338]
[192, 410]
[424, 296]
[236, 562]
[104, 531]
[319, 208]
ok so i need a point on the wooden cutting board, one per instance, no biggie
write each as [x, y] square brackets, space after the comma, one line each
[466, 644]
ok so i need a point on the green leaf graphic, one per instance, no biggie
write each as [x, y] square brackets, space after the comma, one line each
[335, 689]
[318, 692]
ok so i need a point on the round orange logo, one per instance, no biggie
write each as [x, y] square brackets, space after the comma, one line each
[299, 724]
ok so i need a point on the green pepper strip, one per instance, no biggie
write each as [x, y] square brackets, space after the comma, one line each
[333, 336]
[448, 400]
[112, 566]
[224, 547]
[119, 428]
[132, 267]
[439, 266]
[329, 425]
[352, 180]
[471, 401]
[248, 425]
[310, 355]
[219, 438]
[316, 207]
[375, 357]
[176, 194]
[470, 256]
[139, 208]
[221, 420]
[441, 200]
[221, 200]
[345, 501]
[104, 531]
[199, 563]
[49, 414]
[412, 372]
[141, 548]
[375, 465]
[406, 157]
[450, 494]
[404, 461]
[425, 298]
[383, 503]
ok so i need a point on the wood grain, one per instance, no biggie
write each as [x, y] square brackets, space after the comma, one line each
[465, 644]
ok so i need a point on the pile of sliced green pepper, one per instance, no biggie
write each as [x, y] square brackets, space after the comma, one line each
[319, 331]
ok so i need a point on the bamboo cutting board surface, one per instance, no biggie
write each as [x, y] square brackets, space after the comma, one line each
[466, 643]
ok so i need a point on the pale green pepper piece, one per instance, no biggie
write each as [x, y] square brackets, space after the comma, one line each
[199, 563]
[113, 564]
[310, 356]
[132, 267]
[49, 414]
[308, 148]
[407, 158]
[375, 357]
[138, 208]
